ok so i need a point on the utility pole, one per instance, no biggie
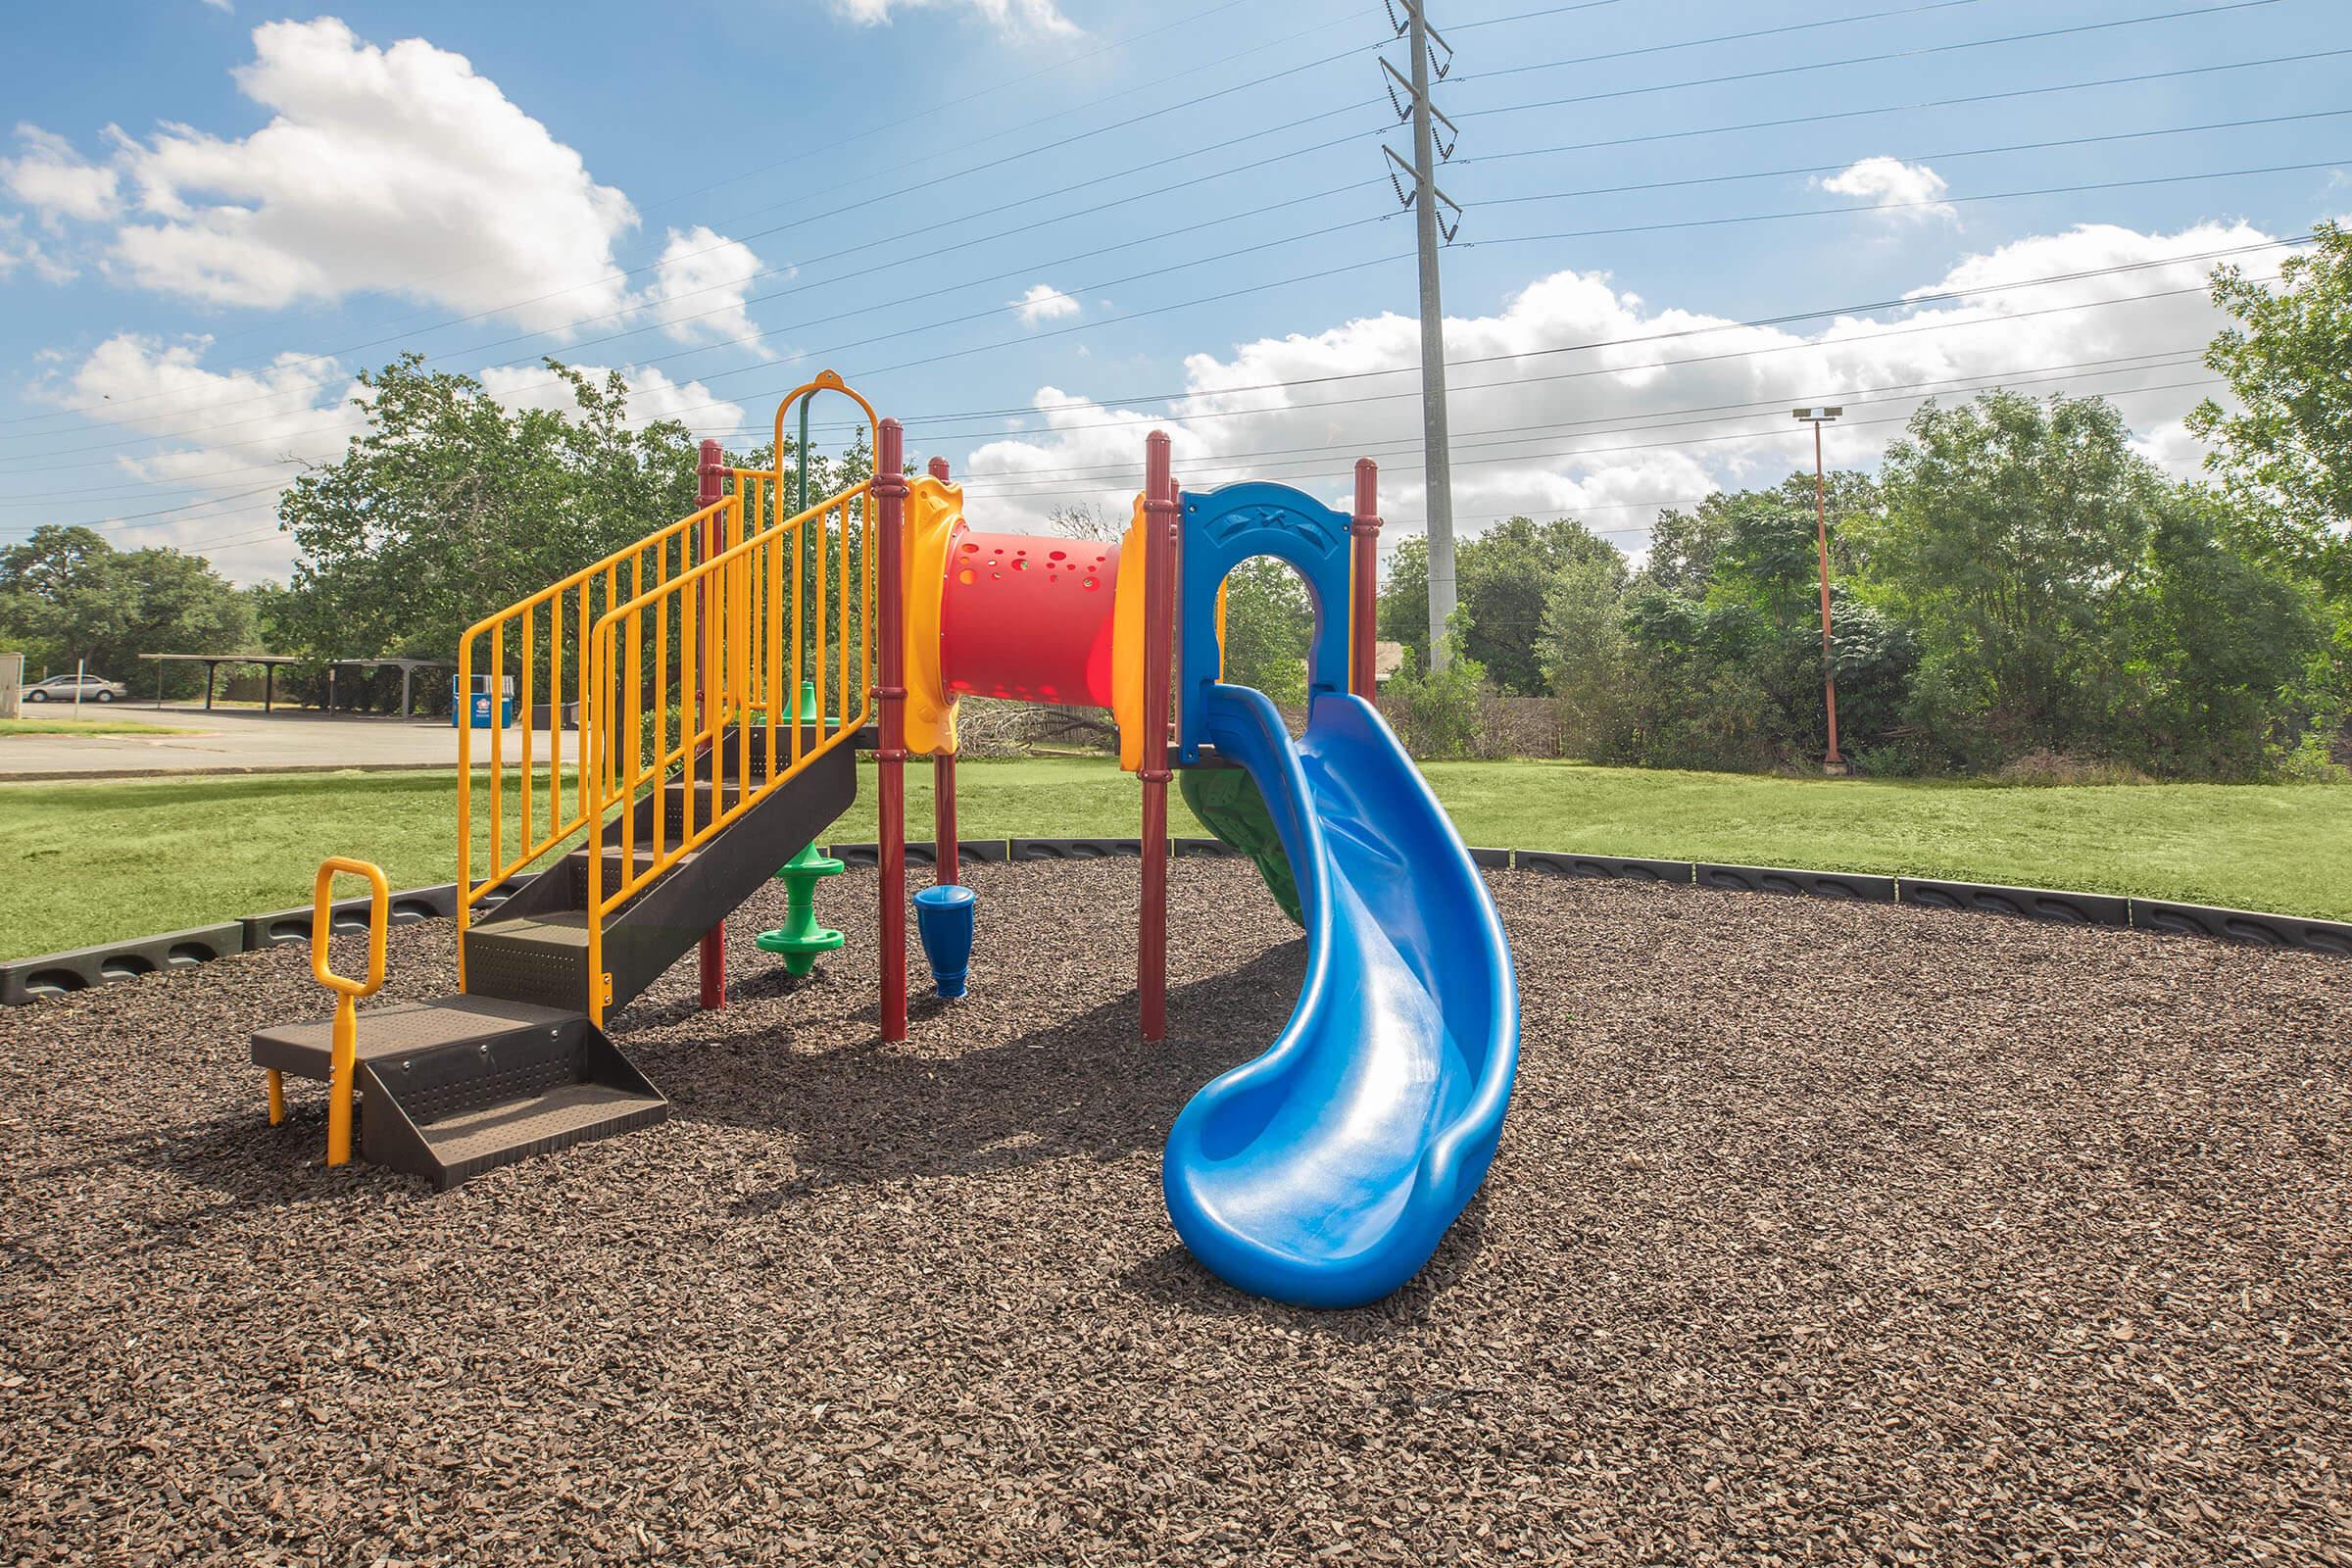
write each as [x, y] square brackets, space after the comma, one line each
[1831, 765]
[1437, 463]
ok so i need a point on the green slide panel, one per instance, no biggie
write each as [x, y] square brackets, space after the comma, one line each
[1227, 802]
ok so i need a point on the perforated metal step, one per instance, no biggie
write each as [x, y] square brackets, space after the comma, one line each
[501, 1134]
[304, 1049]
[540, 959]
[451, 1107]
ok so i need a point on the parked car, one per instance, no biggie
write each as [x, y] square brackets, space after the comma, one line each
[64, 688]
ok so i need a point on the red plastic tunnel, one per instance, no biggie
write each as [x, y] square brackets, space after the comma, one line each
[1028, 618]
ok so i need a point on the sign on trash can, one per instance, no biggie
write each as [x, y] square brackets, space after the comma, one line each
[485, 707]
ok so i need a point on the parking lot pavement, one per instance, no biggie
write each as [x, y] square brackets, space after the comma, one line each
[240, 741]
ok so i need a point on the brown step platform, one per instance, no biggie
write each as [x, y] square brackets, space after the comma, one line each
[451, 1088]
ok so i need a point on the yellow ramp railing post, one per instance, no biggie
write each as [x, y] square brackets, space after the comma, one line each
[343, 1060]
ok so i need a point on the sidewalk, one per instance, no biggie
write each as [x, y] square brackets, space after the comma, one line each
[236, 741]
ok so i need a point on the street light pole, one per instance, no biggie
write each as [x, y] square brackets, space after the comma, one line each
[1833, 763]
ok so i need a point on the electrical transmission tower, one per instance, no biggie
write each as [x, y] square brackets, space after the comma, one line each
[1430, 229]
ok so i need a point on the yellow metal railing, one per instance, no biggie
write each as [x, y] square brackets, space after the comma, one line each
[789, 604]
[701, 631]
[546, 635]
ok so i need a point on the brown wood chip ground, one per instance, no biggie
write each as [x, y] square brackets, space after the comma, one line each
[1819, 1234]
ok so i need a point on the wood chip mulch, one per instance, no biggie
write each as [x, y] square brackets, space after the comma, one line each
[1819, 1234]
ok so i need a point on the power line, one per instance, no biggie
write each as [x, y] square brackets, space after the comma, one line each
[1947, 155]
[1027, 269]
[1885, 57]
[1721, 37]
[1889, 206]
[2116, 365]
[1222, 466]
[1119, 125]
[2086, 86]
[1219, 468]
[1935, 297]
[1773, 431]
[2138, 79]
[1017, 272]
[1038, 265]
[1849, 308]
[906, 164]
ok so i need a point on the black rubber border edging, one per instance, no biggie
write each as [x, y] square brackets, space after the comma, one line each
[921, 852]
[2053, 905]
[1844, 887]
[57, 974]
[1604, 868]
[2242, 926]
[49, 974]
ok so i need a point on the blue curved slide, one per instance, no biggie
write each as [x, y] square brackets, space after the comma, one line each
[1325, 1172]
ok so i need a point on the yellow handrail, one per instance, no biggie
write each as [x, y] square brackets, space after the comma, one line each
[704, 622]
[651, 557]
[344, 1034]
[738, 668]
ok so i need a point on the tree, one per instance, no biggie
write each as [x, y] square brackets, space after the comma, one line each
[1082, 520]
[2285, 456]
[2010, 529]
[1502, 577]
[450, 506]
[66, 595]
[2225, 656]
[1437, 712]
[1403, 606]
[1269, 623]
[1583, 651]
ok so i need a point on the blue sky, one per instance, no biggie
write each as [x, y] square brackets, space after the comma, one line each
[1169, 215]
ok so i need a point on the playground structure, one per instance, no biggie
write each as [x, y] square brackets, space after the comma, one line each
[730, 667]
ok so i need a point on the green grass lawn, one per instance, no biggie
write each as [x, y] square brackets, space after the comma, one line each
[88, 727]
[87, 863]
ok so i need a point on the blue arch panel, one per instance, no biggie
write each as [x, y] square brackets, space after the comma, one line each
[1224, 528]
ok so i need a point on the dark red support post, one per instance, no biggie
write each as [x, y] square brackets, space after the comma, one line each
[1363, 677]
[712, 472]
[939, 470]
[1162, 507]
[890, 491]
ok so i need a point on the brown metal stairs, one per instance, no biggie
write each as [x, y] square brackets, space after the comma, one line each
[514, 1065]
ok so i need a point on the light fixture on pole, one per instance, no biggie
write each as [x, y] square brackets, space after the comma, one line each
[1817, 417]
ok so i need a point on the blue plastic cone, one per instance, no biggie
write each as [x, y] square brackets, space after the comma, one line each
[943, 918]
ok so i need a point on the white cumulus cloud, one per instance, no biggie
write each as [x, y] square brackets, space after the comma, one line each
[20, 249]
[233, 438]
[1037, 17]
[1043, 301]
[1580, 398]
[1912, 192]
[397, 170]
[53, 179]
[653, 395]
[700, 288]
[392, 169]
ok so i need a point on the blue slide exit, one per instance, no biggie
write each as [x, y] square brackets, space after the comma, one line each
[1325, 1172]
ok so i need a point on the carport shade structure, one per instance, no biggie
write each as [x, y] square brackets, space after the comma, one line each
[269, 664]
